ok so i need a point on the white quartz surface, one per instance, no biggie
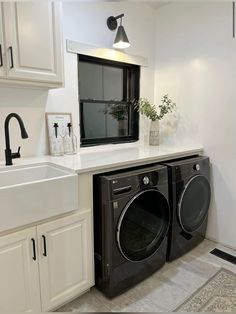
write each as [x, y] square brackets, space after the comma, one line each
[113, 157]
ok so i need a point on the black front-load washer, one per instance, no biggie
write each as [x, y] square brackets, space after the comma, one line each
[131, 220]
[189, 198]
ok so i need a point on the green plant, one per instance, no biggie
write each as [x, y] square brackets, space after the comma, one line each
[119, 112]
[150, 111]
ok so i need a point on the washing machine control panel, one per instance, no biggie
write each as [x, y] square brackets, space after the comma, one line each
[145, 180]
[149, 179]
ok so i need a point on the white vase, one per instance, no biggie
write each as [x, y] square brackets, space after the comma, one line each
[154, 136]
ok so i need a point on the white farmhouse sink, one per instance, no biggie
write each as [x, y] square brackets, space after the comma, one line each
[34, 193]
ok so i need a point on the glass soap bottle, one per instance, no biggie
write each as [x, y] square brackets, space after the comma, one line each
[56, 141]
[70, 141]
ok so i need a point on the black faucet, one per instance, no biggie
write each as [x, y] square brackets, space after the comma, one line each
[8, 154]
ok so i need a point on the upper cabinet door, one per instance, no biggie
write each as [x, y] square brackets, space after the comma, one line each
[34, 41]
[65, 262]
[2, 72]
[19, 283]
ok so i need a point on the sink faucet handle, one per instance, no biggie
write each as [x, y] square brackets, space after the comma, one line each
[16, 155]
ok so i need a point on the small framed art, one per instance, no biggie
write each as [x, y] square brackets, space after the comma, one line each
[57, 129]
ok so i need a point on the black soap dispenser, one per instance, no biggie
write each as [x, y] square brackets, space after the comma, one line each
[70, 141]
[56, 142]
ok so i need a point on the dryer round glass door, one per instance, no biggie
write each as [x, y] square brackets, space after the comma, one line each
[143, 225]
[194, 203]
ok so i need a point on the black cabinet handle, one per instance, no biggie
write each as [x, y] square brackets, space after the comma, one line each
[34, 249]
[44, 246]
[11, 58]
[1, 59]
[233, 19]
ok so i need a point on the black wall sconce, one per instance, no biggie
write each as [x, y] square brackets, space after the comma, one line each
[121, 39]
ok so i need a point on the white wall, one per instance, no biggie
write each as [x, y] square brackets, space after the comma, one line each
[196, 65]
[30, 104]
[85, 22]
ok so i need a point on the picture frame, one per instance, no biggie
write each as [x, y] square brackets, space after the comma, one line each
[62, 119]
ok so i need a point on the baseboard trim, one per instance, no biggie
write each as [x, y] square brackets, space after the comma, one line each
[221, 243]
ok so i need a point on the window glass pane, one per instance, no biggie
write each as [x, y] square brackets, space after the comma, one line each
[105, 120]
[117, 120]
[106, 89]
[94, 120]
[113, 83]
[90, 81]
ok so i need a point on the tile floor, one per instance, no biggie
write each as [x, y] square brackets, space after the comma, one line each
[163, 291]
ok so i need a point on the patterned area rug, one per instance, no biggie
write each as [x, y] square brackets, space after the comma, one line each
[218, 294]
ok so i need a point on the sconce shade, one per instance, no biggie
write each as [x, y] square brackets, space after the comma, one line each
[121, 40]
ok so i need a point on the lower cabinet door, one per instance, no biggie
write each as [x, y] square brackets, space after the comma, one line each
[19, 276]
[65, 262]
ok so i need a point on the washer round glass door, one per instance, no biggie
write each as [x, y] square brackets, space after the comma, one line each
[194, 203]
[143, 225]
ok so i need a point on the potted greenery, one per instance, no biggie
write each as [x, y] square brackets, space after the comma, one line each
[151, 111]
[119, 112]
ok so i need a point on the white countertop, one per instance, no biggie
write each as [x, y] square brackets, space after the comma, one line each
[113, 157]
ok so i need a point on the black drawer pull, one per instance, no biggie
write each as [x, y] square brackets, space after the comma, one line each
[233, 19]
[122, 190]
[34, 249]
[1, 58]
[11, 58]
[44, 246]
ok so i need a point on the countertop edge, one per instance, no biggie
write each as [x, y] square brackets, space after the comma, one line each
[139, 162]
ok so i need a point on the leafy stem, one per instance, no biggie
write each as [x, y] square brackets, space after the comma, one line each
[150, 111]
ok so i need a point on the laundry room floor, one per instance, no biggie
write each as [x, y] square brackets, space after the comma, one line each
[165, 290]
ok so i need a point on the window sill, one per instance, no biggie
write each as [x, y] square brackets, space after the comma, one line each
[97, 148]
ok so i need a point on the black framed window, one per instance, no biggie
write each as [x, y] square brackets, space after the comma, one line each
[107, 90]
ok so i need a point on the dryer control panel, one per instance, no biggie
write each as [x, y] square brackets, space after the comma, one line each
[186, 168]
[196, 167]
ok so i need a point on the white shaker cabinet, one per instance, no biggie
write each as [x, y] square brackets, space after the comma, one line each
[65, 262]
[45, 266]
[19, 275]
[33, 41]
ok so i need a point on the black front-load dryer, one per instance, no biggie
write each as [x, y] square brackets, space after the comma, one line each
[131, 220]
[189, 198]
